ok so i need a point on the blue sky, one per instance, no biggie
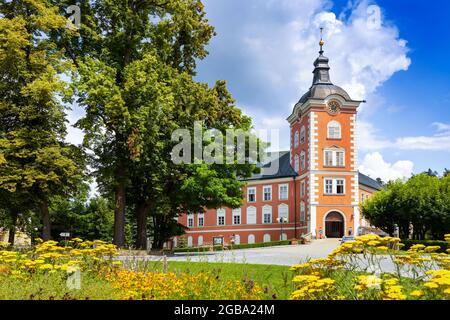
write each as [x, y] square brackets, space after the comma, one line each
[265, 50]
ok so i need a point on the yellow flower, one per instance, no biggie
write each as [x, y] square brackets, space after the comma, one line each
[431, 285]
[46, 266]
[417, 293]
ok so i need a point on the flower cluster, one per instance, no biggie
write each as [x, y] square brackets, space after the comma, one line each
[183, 286]
[339, 276]
[51, 257]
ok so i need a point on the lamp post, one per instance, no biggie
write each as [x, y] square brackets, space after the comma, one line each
[281, 221]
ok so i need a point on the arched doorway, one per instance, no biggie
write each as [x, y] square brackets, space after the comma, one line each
[334, 225]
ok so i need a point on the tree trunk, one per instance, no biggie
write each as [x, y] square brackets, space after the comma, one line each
[12, 228]
[46, 227]
[119, 216]
[142, 214]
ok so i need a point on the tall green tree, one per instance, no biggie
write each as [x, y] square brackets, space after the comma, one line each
[34, 159]
[135, 62]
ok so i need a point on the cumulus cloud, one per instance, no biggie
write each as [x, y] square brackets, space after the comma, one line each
[376, 167]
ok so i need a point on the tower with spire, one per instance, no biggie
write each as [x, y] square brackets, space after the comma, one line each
[324, 155]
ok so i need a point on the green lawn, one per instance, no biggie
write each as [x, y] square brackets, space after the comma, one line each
[275, 280]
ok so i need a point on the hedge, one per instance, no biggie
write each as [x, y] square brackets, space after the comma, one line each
[443, 244]
[235, 247]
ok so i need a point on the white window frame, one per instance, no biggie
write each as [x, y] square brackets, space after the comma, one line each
[237, 213]
[256, 212]
[221, 213]
[334, 186]
[303, 135]
[285, 214]
[264, 193]
[296, 139]
[267, 210]
[248, 194]
[190, 218]
[202, 217]
[334, 157]
[287, 192]
[297, 163]
[336, 134]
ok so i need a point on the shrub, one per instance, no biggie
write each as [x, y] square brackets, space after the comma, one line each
[235, 247]
[428, 243]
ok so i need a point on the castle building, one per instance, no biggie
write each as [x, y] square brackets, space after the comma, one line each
[317, 189]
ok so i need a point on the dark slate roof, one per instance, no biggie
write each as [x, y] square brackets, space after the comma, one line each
[369, 182]
[285, 169]
[322, 91]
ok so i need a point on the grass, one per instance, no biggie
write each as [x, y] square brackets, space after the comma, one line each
[276, 280]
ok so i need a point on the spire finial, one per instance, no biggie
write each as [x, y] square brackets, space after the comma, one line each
[321, 43]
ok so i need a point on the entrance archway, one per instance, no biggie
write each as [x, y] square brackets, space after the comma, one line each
[334, 225]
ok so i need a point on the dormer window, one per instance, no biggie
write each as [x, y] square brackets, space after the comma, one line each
[334, 130]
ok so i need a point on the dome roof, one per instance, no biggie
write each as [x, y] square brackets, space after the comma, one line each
[322, 91]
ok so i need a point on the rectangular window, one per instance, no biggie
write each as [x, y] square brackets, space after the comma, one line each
[283, 192]
[329, 158]
[267, 193]
[302, 189]
[190, 221]
[201, 220]
[334, 158]
[267, 218]
[329, 186]
[237, 216]
[221, 217]
[302, 212]
[334, 186]
[251, 194]
[340, 186]
[340, 159]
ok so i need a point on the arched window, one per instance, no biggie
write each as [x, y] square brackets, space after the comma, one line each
[283, 212]
[251, 215]
[267, 215]
[190, 242]
[303, 135]
[251, 239]
[334, 130]
[237, 239]
[175, 242]
[296, 163]
[296, 139]
[200, 241]
[283, 237]
[266, 238]
[303, 160]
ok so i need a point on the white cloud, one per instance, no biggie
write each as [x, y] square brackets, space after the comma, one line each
[375, 167]
[369, 139]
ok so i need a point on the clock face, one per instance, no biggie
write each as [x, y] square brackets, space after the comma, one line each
[333, 107]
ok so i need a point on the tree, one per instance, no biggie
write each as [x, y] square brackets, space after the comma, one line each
[422, 202]
[446, 172]
[35, 162]
[113, 36]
